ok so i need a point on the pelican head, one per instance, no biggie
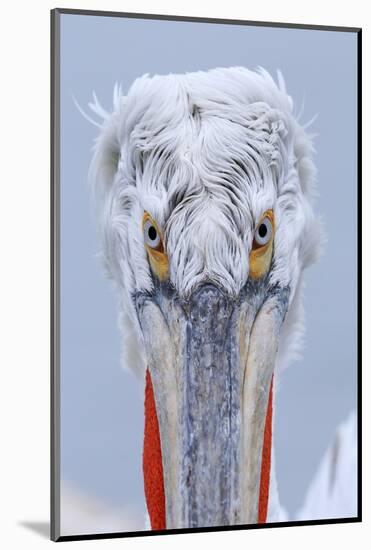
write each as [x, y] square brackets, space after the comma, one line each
[206, 182]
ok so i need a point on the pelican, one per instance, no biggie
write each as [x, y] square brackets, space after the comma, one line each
[206, 183]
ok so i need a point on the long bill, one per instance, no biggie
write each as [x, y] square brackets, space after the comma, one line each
[211, 362]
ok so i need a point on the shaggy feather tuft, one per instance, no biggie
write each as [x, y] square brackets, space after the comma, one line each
[205, 153]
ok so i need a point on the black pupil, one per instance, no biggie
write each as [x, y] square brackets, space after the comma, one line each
[152, 233]
[263, 230]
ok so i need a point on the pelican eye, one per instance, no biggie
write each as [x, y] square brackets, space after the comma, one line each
[263, 232]
[262, 246]
[153, 243]
[152, 236]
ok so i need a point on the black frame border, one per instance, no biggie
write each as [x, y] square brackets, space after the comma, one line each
[55, 273]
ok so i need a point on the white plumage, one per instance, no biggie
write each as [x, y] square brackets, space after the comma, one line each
[150, 151]
[207, 153]
[333, 490]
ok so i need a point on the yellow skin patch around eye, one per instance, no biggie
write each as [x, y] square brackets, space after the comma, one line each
[261, 256]
[157, 256]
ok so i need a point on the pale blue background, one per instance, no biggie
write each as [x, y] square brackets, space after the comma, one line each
[102, 407]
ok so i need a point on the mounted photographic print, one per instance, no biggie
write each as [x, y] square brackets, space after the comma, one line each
[205, 214]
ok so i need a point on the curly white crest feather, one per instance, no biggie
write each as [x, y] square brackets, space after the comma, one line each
[205, 153]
